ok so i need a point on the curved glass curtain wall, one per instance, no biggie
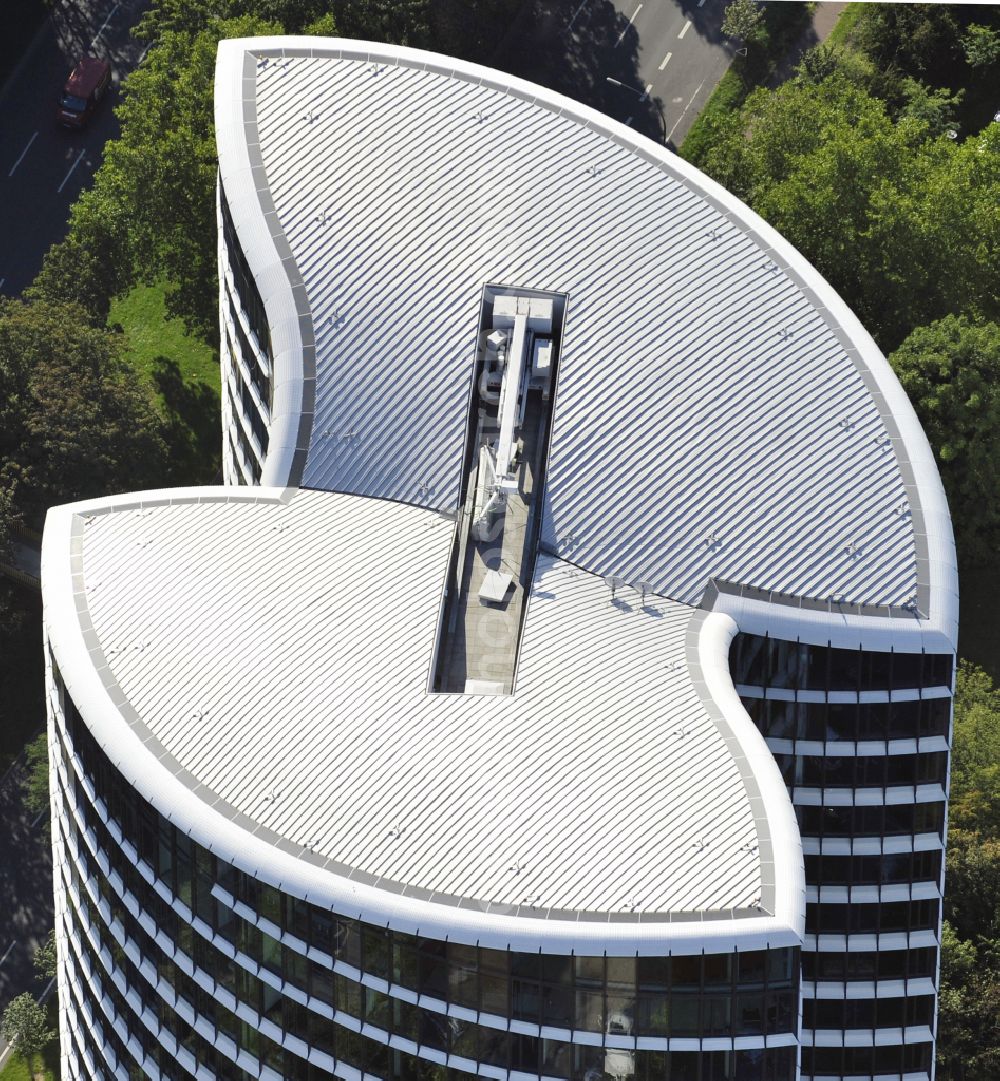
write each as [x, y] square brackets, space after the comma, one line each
[250, 384]
[263, 980]
[861, 739]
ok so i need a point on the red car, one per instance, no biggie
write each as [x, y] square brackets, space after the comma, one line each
[84, 89]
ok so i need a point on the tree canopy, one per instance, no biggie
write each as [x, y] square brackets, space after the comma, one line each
[74, 422]
[968, 1046]
[35, 784]
[46, 958]
[742, 19]
[901, 219]
[25, 1026]
[982, 45]
[951, 372]
[969, 1028]
[914, 38]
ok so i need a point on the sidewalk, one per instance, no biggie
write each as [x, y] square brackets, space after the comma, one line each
[824, 19]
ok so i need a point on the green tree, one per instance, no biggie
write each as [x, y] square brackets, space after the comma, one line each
[10, 621]
[742, 20]
[973, 881]
[981, 45]
[471, 29]
[73, 421]
[186, 17]
[969, 1026]
[817, 64]
[93, 262]
[904, 225]
[323, 27]
[934, 109]
[968, 1047]
[36, 778]
[46, 958]
[25, 1027]
[163, 168]
[975, 759]
[951, 372]
[915, 39]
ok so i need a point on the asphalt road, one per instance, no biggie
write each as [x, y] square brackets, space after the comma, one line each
[651, 64]
[43, 166]
[26, 912]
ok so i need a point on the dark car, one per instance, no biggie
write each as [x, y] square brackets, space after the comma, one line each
[84, 89]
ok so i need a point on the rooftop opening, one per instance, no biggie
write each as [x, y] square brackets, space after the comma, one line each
[493, 558]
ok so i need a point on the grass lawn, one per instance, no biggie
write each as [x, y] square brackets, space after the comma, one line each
[183, 373]
[845, 25]
[16, 1070]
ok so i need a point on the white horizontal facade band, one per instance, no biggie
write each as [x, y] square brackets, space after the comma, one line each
[861, 749]
[871, 846]
[852, 989]
[898, 891]
[864, 943]
[869, 796]
[866, 1037]
[844, 698]
[920, 1076]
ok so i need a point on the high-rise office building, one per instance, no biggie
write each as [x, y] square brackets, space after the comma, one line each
[560, 685]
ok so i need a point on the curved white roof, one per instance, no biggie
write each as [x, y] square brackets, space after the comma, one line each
[720, 414]
[257, 662]
[270, 651]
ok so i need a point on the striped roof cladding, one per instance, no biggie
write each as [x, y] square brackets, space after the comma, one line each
[711, 420]
[279, 652]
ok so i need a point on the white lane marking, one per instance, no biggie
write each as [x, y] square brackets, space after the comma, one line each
[670, 134]
[23, 152]
[41, 814]
[666, 60]
[701, 3]
[583, 4]
[621, 36]
[687, 27]
[111, 15]
[79, 158]
[645, 93]
[2, 280]
[7, 951]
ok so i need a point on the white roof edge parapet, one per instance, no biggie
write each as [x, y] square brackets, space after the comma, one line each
[901, 631]
[936, 598]
[271, 261]
[129, 746]
[782, 848]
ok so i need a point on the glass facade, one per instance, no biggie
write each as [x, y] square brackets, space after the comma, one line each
[861, 740]
[209, 968]
[246, 341]
[836, 721]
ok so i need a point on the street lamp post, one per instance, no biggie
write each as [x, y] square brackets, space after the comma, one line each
[642, 95]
